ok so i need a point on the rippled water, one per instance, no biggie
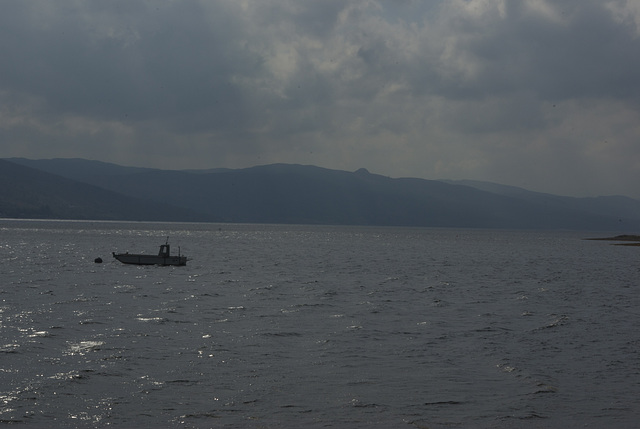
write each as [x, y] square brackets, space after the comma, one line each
[302, 326]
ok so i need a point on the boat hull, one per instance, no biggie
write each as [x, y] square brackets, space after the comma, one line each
[141, 259]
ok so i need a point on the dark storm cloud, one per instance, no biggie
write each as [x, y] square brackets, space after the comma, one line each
[574, 50]
[169, 62]
[460, 89]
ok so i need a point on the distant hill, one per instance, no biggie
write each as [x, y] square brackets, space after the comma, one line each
[82, 170]
[286, 193]
[623, 208]
[30, 193]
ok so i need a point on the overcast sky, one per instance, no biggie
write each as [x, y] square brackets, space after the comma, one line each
[539, 94]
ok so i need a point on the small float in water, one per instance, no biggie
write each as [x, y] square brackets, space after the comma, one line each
[162, 258]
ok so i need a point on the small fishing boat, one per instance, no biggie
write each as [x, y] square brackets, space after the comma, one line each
[162, 258]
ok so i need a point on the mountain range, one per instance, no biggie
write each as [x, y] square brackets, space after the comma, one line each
[289, 193]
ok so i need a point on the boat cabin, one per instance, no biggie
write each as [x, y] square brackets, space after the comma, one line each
[164, 250]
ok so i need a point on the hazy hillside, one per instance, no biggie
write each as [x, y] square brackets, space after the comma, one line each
[83, 170]
[617, 206]
[31, 193]
[285, 193]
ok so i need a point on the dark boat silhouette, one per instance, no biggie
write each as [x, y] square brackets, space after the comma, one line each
[162, 258]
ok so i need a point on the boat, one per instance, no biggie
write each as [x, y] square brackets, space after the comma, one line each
[162, 258]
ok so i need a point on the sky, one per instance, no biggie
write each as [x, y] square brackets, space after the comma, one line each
[539, 94]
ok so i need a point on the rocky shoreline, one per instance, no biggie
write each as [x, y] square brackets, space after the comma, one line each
[628, 239]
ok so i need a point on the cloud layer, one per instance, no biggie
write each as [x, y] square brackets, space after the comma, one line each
[539, 94]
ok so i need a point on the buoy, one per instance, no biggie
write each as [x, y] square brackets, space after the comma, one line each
[98, 260]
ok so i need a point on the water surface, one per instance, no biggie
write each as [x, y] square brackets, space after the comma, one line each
[316, 326]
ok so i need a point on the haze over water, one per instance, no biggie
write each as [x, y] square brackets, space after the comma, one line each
[316, 326]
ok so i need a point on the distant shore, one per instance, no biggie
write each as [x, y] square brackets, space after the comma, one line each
[629, 239]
